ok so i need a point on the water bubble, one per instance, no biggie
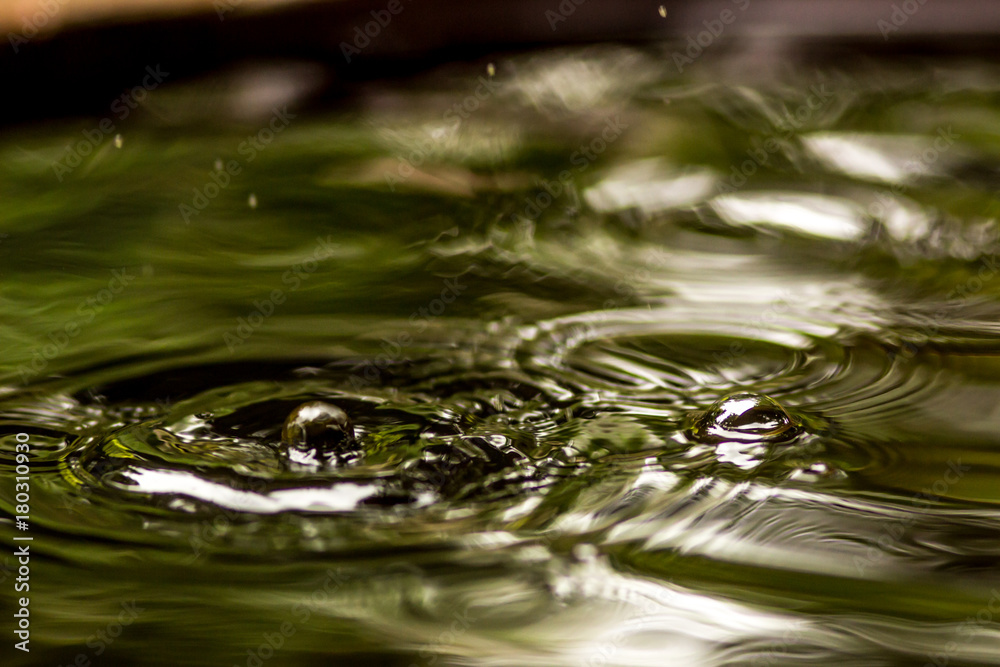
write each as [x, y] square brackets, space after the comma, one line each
[119, 141]
[318, 425]
[491, 70]
[743, 417]
[252, 200]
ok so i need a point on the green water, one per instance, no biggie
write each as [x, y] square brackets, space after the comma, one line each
[526, 307]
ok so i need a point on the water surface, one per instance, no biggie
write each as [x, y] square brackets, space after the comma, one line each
[528, 292]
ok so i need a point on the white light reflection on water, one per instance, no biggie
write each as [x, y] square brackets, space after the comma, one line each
[889, 159]
[815, 215]
[599, 617]
[650, 186]
[340, 497]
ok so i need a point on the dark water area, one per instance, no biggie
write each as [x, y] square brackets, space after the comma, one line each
[560, 358]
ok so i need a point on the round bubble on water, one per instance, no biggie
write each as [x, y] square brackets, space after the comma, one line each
[744, 417]
[318, 425]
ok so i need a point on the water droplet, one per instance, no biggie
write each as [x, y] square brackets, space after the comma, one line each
[252, 200]
[743, 417]
[218, 164]
[663, 11]
[119, 141]
[491, 70]
[318, 425]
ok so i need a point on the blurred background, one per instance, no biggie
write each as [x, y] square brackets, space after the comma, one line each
[68, 56]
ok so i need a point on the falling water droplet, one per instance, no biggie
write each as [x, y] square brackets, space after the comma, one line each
[743, 417]
[491, 70]
[663, 11]
[319, 426]
[218, 164]
[252, 200]
[119, 141]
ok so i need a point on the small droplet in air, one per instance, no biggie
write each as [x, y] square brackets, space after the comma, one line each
[744, 417]
[491, 70]
[218, 164]
[663, 11]
[119, 141]
[252, 201]
[318, 426]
